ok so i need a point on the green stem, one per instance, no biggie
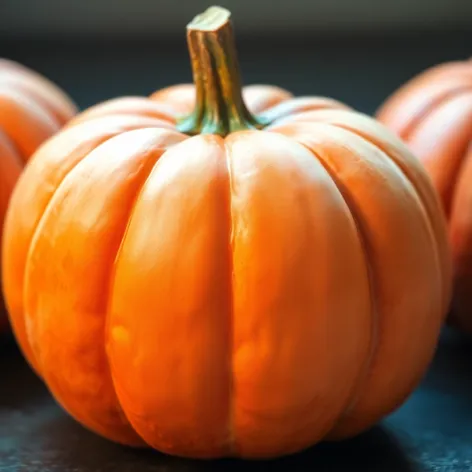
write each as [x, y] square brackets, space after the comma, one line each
[219, 107]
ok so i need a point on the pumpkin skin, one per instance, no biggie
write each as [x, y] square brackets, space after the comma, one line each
[246, 294]
[432, 113]
[31, 110]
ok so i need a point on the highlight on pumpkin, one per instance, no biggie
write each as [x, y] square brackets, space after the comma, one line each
[237, 271]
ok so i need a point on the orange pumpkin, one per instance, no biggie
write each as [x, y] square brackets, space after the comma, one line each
[210, 288]
[31, 110]
[432, 113]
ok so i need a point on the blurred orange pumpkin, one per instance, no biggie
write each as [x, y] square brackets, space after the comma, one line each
[31, 110]
[432, 113]
[210, 288]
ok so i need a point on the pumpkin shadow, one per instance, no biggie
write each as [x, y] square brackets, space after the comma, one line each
[375, 450]
[67, 444]
[450, 371]
[20, 386]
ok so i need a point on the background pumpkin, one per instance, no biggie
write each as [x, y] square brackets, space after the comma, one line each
[31, 110]
[228, 291]
[432, 113]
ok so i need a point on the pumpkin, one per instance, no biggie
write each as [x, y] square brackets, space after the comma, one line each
[213, 272]
[31, 110]
[432, 113]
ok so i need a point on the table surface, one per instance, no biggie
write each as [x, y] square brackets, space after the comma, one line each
[431, 432]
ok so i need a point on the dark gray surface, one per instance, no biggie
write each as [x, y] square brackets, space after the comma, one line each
[432, 431]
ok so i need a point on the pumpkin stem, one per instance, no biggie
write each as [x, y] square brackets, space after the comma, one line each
[220, 107]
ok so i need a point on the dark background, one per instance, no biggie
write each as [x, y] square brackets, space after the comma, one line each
[357, 51]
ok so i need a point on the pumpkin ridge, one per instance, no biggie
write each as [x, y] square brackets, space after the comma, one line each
[39, 103]
[419, 197]
[283, 112]
[153, 122]
[438, 101]
[112, 276]
[38, 117]
[34, 235]
[257, 108]
[30, 355]
[399, 154]
[365, 371]
[231, 422]
[108, 296]
[127, 106]
[142, 172]
[46, 102]
[426, 209]
[407, 387]
[437, 73]
[45, 90]
[447, 196]
[106, 333]
[156, 423]
[7, 141]
[283, 160]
